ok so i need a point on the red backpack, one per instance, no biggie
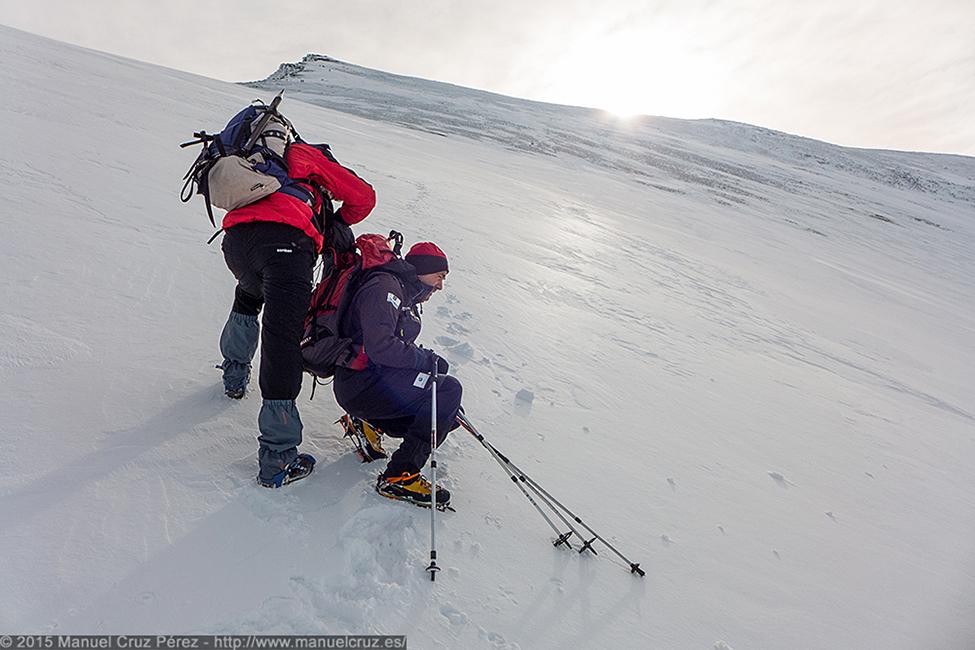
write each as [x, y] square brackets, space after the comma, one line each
[322, 347]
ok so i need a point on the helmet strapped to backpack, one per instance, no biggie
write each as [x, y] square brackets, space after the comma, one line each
[245, 162]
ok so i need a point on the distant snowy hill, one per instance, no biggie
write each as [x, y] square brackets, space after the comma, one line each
[727, 159]
[749, 353]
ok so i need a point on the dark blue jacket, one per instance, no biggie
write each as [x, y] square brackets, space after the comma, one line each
[383, 318]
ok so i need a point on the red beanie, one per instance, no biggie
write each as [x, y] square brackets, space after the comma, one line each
[426, 257]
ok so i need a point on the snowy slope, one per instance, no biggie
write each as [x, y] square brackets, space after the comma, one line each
[750, 355]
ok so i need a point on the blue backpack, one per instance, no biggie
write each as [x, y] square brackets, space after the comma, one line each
[245, 162]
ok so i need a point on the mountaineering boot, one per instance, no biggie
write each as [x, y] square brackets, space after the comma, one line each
[367, 439]
[411, 487]
[296, 470]
[236, 392]
[236, 376]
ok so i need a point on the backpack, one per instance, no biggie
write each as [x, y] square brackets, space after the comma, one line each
[245, 162]
[323, 348]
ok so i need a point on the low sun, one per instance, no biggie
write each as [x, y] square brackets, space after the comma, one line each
[638, 72]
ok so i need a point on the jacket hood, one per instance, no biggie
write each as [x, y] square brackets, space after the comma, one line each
[406, 274]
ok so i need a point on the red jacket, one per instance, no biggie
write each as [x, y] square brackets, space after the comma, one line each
[308, 163]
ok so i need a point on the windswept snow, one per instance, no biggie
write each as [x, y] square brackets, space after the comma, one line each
[742, 356]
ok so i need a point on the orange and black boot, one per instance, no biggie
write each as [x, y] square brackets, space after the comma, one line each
[367, 439]
[412, 487]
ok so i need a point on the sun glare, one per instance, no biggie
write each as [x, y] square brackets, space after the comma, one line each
[638, 73]
[626, 110]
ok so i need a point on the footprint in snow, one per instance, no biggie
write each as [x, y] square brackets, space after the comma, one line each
[454, 615]
[457, 351]
[523, 402]
[666, 540]
[781, 480]
[492, 520]
[508, 595]
[462, 353]
[457, 328]
[673, 484]
[496, 640]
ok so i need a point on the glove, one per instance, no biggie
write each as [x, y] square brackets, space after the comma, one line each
[442, 365]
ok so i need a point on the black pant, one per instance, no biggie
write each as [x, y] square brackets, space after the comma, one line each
[273, 264]
[392, 400]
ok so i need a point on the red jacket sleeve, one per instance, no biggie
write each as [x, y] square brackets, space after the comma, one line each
[357, 196]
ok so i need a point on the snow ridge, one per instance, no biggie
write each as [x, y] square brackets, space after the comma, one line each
[661, 150]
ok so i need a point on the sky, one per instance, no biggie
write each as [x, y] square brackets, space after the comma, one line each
[873, 73]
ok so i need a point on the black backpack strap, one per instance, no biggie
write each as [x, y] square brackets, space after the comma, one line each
[203, 182]
[198, 174]
[320, 302]
[398, 238]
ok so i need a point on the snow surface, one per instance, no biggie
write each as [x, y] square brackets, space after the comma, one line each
[749, 360]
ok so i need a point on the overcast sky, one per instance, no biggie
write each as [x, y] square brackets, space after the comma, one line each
[870, 73]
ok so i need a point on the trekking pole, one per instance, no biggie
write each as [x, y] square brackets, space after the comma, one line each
[433, 568]
[634, 567]
[516, 475]
[560, 537]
